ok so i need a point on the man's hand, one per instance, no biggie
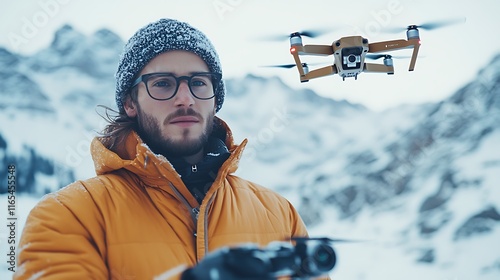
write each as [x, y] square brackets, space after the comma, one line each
[230, 264]
[308, 258]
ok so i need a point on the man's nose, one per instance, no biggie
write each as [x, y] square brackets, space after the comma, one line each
[184, 96]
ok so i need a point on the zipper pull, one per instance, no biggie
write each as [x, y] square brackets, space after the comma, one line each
[196, 212]
[194, 168]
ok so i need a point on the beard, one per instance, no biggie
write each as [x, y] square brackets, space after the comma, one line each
[149, 129]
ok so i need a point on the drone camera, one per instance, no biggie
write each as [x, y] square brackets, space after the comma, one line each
[351, 60]
[317, 257]
[351, 57]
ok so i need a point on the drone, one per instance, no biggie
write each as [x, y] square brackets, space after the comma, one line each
[350, 53]
[302, 258]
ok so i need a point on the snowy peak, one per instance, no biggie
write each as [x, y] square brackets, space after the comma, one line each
[8, 60]
[260, 90]
[19, 91]
[107, 39]
[67, 41]
[431, 147]
[484, 89]
[96, 55]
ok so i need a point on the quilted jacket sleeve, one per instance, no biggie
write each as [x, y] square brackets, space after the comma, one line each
[63, 238]
[298, 227]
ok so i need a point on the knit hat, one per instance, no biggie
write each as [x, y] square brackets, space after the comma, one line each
[159, 37]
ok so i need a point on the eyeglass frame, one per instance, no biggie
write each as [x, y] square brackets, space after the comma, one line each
[145, 77]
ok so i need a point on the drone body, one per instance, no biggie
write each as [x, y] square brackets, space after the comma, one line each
[350, 53]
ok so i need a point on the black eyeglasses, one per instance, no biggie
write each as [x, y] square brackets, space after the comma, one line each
[164, 86]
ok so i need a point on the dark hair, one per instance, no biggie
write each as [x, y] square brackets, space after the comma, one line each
[120, 125]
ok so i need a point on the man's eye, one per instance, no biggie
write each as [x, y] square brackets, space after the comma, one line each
[161, 83]
[198, 82]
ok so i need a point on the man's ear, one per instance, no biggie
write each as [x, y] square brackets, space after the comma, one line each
[130, 107]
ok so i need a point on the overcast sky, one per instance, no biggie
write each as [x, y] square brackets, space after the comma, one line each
[450, 56]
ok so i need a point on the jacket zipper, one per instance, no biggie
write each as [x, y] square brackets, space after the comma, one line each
[205, 222]
[193, 211]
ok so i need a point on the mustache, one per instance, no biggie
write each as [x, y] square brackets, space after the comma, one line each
[182, 113]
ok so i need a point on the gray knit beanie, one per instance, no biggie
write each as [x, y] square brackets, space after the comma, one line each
[159, 37]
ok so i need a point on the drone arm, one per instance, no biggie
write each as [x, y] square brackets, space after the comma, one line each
[396, 45]
[414, 57]
[380, 68]
[314, 50]
[320, 72]
[297, 50]
[391, 45]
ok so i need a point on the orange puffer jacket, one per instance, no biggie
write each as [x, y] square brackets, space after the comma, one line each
[137, 220]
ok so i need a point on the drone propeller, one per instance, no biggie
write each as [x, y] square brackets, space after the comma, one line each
[289, 66]
[323, 239]
[379, 56]
[430, 25]
[439, 24]
[311, 33]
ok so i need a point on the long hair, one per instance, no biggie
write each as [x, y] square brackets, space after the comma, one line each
[120, 125]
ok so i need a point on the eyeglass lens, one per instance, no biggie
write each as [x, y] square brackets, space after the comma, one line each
[165, 86]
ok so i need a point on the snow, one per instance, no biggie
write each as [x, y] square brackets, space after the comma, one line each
[384, 249]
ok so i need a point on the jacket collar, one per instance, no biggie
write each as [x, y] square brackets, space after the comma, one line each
[153, 169]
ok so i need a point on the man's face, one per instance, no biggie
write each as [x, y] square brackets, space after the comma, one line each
[181, 125]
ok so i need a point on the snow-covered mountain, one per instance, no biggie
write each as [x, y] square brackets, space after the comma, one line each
[47, 104]
[418, 184]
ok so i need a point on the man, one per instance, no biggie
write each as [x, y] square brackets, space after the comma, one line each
[165, 194]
